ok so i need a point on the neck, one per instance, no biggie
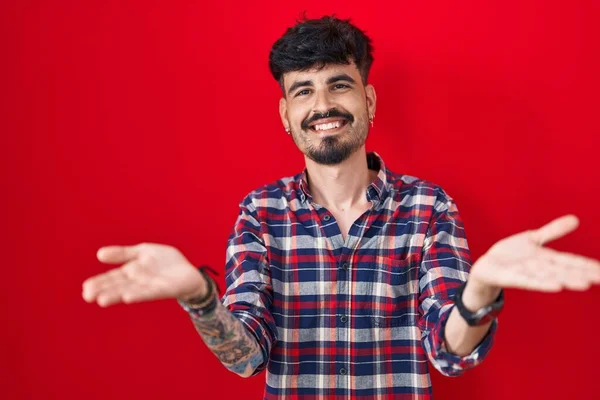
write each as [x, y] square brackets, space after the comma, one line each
[340, 187]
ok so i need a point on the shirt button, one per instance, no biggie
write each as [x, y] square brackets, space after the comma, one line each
[326, 218]
[343, 318]
[345, 266]
[343, 371]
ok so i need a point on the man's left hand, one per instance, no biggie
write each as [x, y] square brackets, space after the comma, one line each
[521, 261]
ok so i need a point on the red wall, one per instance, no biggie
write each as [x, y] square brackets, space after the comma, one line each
[124, 122]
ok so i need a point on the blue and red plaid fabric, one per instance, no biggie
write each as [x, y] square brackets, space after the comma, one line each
[356, 319]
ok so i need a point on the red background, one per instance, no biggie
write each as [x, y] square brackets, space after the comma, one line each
[125, 122]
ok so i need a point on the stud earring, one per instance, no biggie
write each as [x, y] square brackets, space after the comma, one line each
[371, 120]
[287, 130]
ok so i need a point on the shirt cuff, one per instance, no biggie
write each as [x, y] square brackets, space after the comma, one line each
[454, 365]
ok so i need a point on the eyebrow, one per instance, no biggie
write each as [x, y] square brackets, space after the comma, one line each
[333, 79]
[298, 84]
[340, 77]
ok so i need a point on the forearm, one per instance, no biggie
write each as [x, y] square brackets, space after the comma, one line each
[228, 339]
[461, 338]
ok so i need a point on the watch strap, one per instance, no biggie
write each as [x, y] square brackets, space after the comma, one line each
[481, 316]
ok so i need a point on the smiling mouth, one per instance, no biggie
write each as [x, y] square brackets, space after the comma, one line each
[328, 126]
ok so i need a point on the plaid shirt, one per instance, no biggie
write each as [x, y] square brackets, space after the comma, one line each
[356, 319]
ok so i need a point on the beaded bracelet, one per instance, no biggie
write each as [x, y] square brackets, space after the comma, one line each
[199, 305]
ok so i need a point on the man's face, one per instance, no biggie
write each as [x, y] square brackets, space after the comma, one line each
[327, 111]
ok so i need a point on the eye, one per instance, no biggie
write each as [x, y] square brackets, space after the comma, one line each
[340, 86]
[303, 92]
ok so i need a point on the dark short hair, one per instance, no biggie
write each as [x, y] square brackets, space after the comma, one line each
[315, 43]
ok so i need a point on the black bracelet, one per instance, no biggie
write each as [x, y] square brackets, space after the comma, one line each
[195, 305]
[481, 316]
[210, 282]
[208, 308]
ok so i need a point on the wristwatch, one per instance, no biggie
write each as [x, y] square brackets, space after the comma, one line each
[481, 316]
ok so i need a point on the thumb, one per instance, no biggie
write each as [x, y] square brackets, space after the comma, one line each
[556, 229]
[117, 254]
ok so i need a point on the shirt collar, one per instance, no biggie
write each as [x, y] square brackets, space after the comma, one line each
[375, 191]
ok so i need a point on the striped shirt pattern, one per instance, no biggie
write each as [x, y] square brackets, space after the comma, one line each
[358, 318]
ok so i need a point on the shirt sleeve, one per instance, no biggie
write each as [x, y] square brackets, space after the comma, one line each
[249, 293]
[445, 265]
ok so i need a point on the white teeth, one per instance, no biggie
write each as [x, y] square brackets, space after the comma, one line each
[331, 125]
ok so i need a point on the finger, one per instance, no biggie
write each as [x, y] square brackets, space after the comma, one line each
[545, 284]
[128, 292]
[112, 295]
[576, 281]
[526, 275]
[562, 275]
[555, 229]
[572, 259]
[110, 298]
[574, 263]
[541, 275]
[116, 278]
[94, 285]
[117, 254]
[91, 284]
[572, 278]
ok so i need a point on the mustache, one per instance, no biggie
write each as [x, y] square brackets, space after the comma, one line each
[329, 114]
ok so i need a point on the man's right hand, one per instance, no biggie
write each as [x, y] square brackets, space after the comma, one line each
[149, 272]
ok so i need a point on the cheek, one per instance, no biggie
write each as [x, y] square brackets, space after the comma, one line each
[295, 118]
[293, 113]
[357, 107]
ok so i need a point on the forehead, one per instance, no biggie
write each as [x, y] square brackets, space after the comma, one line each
[321, 75]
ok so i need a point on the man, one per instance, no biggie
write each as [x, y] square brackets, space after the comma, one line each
[345, 279]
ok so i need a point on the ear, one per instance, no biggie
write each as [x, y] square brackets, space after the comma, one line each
[283, 113]
[371, 100]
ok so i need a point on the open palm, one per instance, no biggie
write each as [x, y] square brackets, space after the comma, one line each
[149, 272]
[521, 261]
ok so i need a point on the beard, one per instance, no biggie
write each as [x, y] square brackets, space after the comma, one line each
[333, 150]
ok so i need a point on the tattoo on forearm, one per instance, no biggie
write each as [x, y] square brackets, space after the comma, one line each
[229, 340]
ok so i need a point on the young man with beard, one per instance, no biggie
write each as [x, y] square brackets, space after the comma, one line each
[344, 279]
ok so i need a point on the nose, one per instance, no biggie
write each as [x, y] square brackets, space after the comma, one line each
[323, 102]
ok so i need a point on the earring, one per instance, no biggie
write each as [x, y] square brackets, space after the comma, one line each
[287, 130]
[371, 120]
